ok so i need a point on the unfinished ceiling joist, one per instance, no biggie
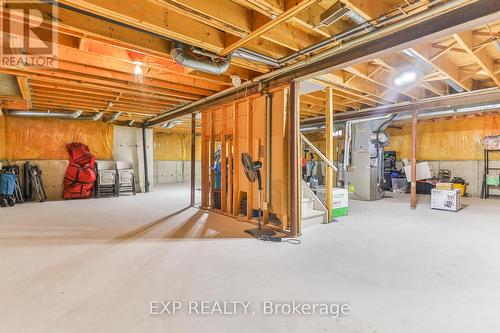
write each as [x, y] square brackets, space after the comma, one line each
[429, 25]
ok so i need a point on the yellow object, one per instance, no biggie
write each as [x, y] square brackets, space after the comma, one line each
[445, 186]
[46, 139]
[461, 188]
[446, 139]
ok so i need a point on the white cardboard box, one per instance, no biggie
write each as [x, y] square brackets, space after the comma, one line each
[446, 200]
[340, 202]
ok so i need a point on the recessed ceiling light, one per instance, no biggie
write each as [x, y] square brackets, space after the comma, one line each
[405, 78]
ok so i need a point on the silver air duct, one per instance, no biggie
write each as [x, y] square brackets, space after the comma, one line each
[40, 114]
[183, 56]
[94, 117]
[257, 57]
[113, 118]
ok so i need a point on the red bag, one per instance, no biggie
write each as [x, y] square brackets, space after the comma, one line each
[80, 174]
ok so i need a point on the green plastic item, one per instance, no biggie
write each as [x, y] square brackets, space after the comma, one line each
[337, 212]
[493, 180]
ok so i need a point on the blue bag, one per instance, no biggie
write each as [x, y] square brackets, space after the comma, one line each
[7, 184]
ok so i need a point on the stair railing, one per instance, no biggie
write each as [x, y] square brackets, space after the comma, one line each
[318, 152]
[328, 163]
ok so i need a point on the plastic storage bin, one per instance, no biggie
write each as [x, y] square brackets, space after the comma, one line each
[399, 185]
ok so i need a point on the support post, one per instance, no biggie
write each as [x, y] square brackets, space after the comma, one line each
[249, 104]
[223, 161]
[205, 171]
[294, 175]
[145, 151]
[413, 196]
[193, 158]
[269, 124]
[236, 163]
[329, 151]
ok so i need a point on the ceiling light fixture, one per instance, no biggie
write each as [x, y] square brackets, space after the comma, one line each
[405, 78]
[138, 75]
[137, 68]
[235, 80]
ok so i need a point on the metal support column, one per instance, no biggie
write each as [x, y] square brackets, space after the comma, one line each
[413, 196]
[293, 171]
[145, 150]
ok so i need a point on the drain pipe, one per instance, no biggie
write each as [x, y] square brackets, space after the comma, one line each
[145, 151]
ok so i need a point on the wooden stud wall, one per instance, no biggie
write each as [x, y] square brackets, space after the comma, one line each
[240, 128]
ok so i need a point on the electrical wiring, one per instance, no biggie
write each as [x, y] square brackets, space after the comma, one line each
[277, 239]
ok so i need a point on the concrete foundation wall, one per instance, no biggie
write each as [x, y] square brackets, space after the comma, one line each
[471, 171]
[127, 146]
[53, 172]
[168, 172]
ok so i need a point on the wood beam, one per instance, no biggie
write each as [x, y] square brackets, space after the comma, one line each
[155, 18]
[24, 87]
[329, 151]
[236, 165]
[443, 64]
[237, 20]
[283, 17]
[481, 56]
[428, 28]
[382, 80]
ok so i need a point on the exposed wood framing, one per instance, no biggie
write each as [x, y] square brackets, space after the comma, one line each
[329, 151]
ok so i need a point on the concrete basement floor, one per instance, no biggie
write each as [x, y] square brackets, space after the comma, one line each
[95, 265]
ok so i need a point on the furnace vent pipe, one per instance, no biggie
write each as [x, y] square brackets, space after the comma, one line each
[114, 117]
[19, 113]
[94, 117]
[180, 53]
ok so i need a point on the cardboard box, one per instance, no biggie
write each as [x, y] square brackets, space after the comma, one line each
[446, 200]
[340, 202]
[423, 171]
[445, 186]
